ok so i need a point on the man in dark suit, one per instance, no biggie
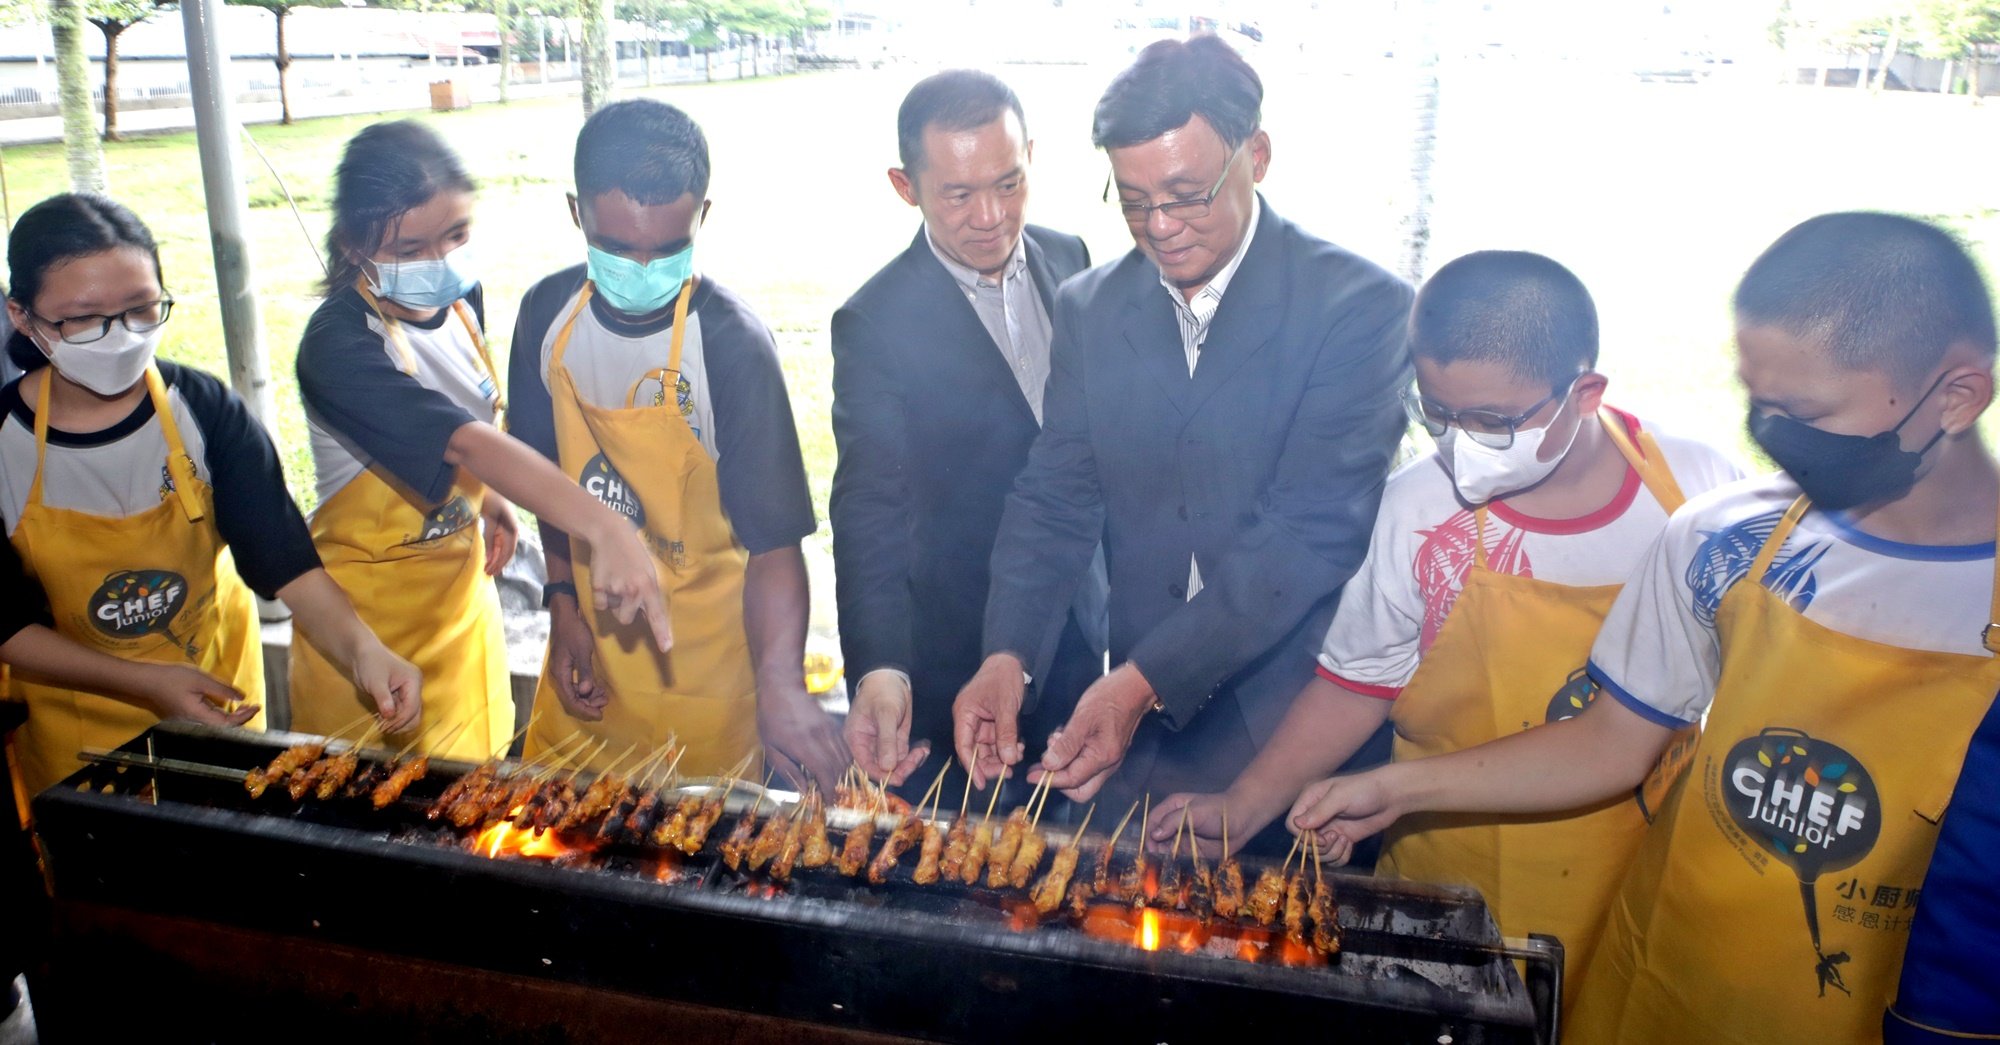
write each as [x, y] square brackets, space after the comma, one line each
[1222, 409]
[939, 362]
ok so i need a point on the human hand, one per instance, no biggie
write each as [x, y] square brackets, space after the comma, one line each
[394, 684]
[625, 580]
[573, 663]
[501, 529]
[1344, 810]
[1084, 753]
[1205, 820]
[985, 718]
[800, 739]
[878, 728]
[183, 692]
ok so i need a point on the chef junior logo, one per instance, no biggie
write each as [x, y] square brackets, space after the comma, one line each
[132, 603]
[604, 483]
[1811, 804]
[453, 515]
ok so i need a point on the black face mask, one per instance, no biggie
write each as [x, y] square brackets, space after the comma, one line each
[1841, 471]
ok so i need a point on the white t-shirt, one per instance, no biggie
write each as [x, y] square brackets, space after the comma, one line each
[447, 363]
[606, 364]
[1659, 652]
[1422, 549]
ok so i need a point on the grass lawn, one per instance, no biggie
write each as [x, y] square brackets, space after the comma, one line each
[1657, 195]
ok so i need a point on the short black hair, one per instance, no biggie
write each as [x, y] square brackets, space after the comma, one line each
[1880, 292]
[58, 229]
[953, 100]
[1521, 310]
[646, 149]
[1172, 82]
[385, 171]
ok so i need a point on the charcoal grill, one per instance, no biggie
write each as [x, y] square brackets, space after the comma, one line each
[223, 918]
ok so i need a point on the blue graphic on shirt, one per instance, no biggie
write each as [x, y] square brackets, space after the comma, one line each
[1726, 555]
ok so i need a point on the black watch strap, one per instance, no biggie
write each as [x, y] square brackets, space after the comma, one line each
[555, 588]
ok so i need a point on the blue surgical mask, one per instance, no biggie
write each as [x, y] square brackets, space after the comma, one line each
[637, 289]
[425, 283]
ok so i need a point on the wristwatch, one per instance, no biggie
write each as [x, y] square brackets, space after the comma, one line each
[555, 588]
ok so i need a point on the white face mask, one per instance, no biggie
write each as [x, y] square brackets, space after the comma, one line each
[111, 364]
[1482, 473]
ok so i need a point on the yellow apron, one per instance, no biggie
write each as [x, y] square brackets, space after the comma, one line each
[155, 586]
[646, 463]
[418, 579]
[1825, 766]
[1510, 656]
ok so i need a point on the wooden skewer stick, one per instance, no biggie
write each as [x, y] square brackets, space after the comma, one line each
[554, 754]
[1175, 856]
[1318, 878]
[629, 748]
[1225, 832]
[1296, 839]
[1115, 835]
[502, 749]
[994, 797]
[342, 731]
[965, 802]
[1040, 789]
[937, 787]
[418, 739]
[674, 767]
[1144, 838]
[1078, 836]
[556, 765]
[449, 737]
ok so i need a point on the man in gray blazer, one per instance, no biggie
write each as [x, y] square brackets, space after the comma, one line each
[1222, 411]
[939, 363]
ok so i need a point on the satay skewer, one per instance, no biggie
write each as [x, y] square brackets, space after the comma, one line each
[1007, 844]
[1101, 883]
[959, 839]
[1028, 855]
[1048, 893]
[1132, 887]
[908, 831]
[404, 772]
[737, 845]
[1228, 876]
[981, 844]
[1267, 897]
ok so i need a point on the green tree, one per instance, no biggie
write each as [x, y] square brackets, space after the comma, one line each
[702, 24]
[80, 145]
[280, 10]
[1959, 31]
[112, 18]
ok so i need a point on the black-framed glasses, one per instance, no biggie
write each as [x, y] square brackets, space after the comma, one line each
[1193, 208]
[1488, 428]
[82, 330]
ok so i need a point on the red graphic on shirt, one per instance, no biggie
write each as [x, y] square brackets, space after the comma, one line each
[1447, 555]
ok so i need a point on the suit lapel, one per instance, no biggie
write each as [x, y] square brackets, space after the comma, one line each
[960, 329]
[1044, 277]
[1154, 335]
[1251, 311]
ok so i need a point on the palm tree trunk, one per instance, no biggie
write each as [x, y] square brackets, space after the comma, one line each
[111, 31]
[598, 55]
[503, 18]
[284, 63]
[84, 153]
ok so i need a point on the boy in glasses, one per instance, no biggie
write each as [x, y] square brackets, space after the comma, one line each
[1491, 565]
[1830, 627]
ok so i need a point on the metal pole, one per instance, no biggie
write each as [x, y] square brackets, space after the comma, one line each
[221, 158]
[215, 130]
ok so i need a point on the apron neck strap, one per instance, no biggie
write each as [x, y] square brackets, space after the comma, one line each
[408, 358]
[1769, 552]
[673, 368]
[180, 466]
[1989, 636]
[1479, 537]
[1646, 458]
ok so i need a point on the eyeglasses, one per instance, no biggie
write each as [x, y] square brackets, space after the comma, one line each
[82, 330]
[1193, 208]
[1488, 428]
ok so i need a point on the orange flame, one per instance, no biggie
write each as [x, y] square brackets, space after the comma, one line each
[503, 839]
[1149, 930]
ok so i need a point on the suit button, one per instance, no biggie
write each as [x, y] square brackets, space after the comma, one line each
[1184, 511]
[1176, 591]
